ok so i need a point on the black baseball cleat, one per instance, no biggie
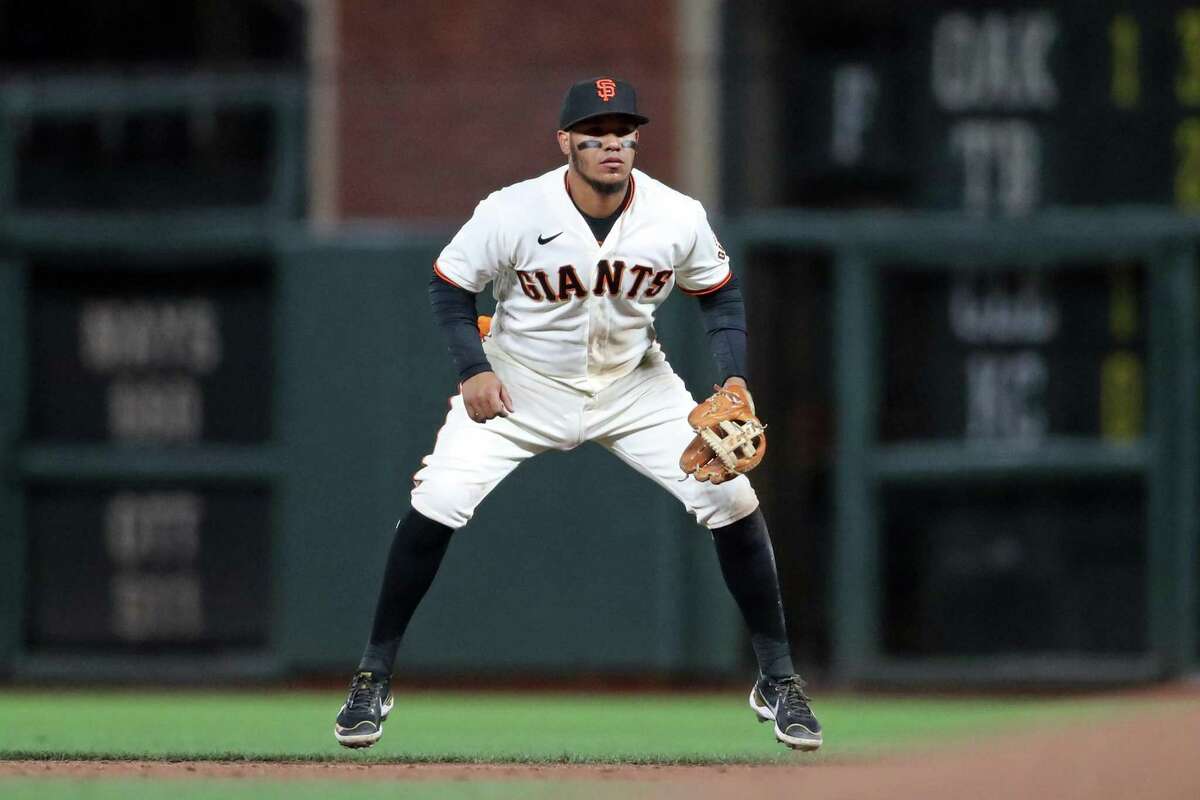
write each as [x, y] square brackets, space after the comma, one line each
[783, 701]
[360, 722]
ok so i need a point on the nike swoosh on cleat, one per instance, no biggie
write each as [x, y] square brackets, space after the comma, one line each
[549, 239]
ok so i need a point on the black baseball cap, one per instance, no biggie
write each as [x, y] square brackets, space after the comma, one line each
[597, 97]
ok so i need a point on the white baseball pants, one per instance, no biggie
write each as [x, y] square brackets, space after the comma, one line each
[641, 418]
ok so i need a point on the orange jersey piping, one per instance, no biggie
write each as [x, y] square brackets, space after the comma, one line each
[437, 271]
[709, 290]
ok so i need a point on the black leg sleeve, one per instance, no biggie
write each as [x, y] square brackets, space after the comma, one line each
[414, 558]
[748, 565]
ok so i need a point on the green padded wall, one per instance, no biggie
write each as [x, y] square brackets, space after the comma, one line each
[12, 413]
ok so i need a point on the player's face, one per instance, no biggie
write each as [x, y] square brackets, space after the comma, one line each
[601, 150]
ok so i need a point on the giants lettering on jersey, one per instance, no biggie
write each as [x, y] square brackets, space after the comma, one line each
[611, 280]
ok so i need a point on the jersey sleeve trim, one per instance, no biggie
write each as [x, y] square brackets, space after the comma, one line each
[707, 289]
[437, 271]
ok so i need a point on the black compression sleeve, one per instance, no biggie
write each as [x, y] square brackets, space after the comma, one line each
[748, 564]
[417, 550]
[725, 321]
[454, 310]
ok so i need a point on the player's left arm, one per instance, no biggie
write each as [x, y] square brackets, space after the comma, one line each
[706, 274]
[724, 315]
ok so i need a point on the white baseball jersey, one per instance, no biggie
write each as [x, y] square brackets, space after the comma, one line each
[571, 308]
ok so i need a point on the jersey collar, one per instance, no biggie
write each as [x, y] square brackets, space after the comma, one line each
[578, 215]
[629, 193]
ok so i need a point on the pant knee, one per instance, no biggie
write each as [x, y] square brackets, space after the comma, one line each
[452, 506]
[726, 503]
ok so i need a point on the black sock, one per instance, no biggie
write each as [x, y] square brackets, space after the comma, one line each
[748, 564]
[413, 560]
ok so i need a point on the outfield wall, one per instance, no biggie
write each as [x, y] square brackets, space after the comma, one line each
[984, 436]
[209, 434]
[258, 546]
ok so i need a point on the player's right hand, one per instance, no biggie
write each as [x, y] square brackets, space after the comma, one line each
[485, 397]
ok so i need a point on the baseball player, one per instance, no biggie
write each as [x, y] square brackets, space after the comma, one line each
[579, 259]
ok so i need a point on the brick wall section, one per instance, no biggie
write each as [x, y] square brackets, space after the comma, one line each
[442, 102]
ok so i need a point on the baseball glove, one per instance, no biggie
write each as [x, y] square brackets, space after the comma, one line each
[729, 437]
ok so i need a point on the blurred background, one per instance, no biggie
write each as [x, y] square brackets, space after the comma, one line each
[967, 238]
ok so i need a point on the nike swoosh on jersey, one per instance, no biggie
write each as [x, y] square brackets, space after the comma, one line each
[549, 239]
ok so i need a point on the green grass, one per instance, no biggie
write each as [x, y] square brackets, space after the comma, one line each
[429, 727]
[534, 728]
[225, 789]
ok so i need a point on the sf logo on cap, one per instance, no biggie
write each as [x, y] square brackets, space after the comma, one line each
[605, 89]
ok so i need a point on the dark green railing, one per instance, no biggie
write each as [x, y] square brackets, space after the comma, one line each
[25, 100]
